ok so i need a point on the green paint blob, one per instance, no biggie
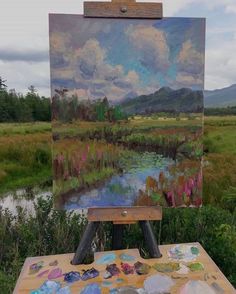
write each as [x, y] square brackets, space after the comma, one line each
[195, 250]
[196, 266]
[166, 267]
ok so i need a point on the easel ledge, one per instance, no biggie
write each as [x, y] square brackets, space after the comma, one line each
[123, 9]
[125, 215]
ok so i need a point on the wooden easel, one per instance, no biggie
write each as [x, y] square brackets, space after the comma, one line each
[121, 216]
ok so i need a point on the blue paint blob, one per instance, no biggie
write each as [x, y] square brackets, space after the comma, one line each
[113, 291]
[119, 280]
[126, 257]
[106, 258]
[72, 277]
[91, 289]
[47, 287]
[64, 290]
[106, 284]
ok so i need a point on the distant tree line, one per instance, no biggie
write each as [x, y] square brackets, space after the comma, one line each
[220, 111]
[67, 109]
[16, 107]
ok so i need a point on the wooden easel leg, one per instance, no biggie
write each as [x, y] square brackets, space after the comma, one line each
[85, 242]
[150, 239]
[117, 236]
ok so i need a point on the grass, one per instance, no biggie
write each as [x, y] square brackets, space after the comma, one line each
[25, 159]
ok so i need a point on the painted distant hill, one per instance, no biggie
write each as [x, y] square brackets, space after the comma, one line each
[165, 100]
[221, 97]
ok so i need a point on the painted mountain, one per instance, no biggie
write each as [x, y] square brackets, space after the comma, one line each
[221, 97]
[165, 100]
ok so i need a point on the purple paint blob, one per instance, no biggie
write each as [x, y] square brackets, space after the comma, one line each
[55, 273]
[113, 269]
[71, 277]
[89, 274]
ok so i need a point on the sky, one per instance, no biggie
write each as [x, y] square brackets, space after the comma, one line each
[24, 45]
[94, 58]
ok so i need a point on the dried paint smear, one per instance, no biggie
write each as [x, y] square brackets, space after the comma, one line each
[185, 253]
[197, 287]
[158, 284]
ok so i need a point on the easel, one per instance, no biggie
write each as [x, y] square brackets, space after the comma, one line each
[121, 216]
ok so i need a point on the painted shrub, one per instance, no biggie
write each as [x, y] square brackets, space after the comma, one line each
[127, 111]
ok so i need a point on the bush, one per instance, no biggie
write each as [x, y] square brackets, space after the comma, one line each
[49, 231]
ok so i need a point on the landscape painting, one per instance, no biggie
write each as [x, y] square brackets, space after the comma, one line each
[127, 111]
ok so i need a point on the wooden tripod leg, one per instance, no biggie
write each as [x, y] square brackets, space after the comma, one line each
[150, 239]
[117, 236]
[85, 242]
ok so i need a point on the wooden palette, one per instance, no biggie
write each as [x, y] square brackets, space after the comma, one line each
[211, 273]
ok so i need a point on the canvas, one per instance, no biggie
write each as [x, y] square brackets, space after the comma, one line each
[127, 111]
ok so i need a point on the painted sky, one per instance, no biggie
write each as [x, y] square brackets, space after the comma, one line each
[125, 58]
[24, 46]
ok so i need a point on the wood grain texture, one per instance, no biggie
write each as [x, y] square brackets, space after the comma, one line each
[130, 9]
[27, 283]
[124, 215]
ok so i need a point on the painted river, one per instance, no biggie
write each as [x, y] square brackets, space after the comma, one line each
[122, 189]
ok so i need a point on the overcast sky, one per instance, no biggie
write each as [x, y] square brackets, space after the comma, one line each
[24, 58]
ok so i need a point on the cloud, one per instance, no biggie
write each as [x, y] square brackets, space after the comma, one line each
[152, 45]
[190, 63]
[26, 55]
[90, 72]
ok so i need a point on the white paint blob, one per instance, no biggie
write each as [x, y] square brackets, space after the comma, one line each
[184, 270]
[196, 287]
[158, 284]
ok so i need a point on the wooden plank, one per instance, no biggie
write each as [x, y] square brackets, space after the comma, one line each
[211, 273]
[123, 9]
[125, 214]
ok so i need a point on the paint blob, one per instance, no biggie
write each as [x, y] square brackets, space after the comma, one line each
[183, 252]
[158, 284]
[55, 273]
[196, 266]
[107, 275]
[64, 290]
[53, 263]
[166, 267]
[142, 268]
[217, 288]
[47, 287]
[72, 277]
[42, 274]
[127, 290]
[119, 280]
[106, 258]
[106, 284]
[35, 267]
[113, 269]
[196, 287]
[89, 274]
[126, 257]
[127, 269]
[91, 289]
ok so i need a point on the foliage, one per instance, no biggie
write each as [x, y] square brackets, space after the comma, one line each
[67, 109]
[49, 231]
[220, 111]
[25, 160]
[16, 107]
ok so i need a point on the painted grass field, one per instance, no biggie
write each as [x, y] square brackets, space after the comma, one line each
[87, 154]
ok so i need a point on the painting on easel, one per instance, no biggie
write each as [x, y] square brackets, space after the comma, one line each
[127, 98]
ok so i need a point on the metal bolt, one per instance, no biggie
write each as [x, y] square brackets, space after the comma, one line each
[124, 213]
[123, 9]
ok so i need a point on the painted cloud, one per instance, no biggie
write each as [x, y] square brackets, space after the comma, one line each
[122, 59]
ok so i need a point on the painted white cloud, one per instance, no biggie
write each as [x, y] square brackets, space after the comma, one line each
[190, 65]
[152, 45]
[93, 75]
